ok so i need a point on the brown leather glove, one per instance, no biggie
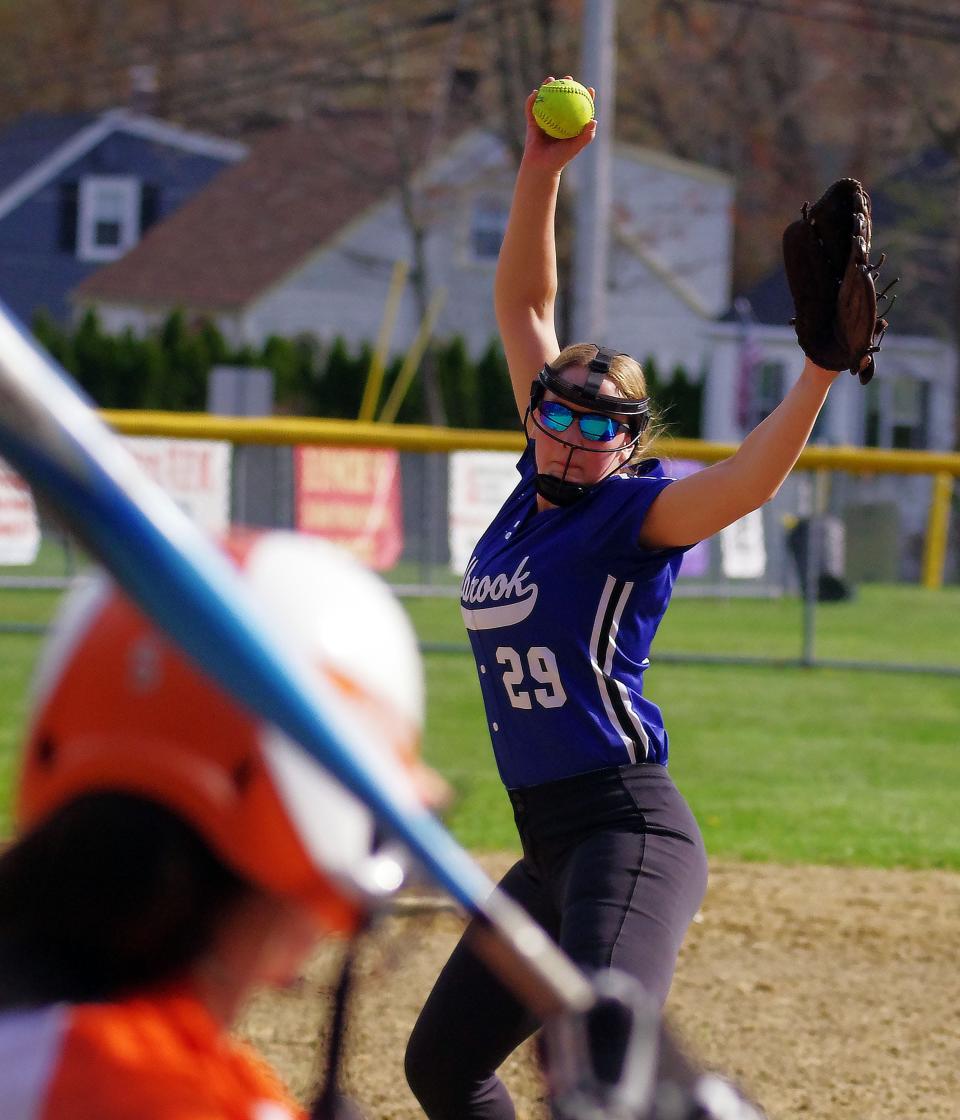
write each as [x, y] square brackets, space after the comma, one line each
[826, 253]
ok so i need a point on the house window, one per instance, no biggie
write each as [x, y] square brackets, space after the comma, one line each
[487, 229]
[897, 413]
[909, 421]
[108, 218]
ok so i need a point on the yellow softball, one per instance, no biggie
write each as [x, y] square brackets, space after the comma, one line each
[563, 109]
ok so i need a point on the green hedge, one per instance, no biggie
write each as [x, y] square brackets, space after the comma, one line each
[168, 370]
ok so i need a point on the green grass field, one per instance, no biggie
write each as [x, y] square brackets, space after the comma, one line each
[784, 764]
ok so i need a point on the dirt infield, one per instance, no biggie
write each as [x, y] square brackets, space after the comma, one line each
[832, 994]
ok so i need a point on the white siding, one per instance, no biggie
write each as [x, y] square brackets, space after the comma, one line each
[115, 318]
[681, 218]
[926, 360]
[659, 300]
[648, 318]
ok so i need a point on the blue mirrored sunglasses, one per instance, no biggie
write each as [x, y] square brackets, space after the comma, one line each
[594, 425]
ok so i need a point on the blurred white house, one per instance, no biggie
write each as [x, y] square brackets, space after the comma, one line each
[303, 235]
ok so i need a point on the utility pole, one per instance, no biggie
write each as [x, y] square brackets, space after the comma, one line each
[593, 175]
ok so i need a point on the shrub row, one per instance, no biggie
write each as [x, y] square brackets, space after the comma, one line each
[168, 370]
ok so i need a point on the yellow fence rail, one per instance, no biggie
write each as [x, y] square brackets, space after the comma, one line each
[942, 466]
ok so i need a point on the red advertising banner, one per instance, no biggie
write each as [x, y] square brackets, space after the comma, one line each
[351, 495]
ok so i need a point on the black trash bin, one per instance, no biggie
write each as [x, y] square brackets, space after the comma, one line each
[828, 535]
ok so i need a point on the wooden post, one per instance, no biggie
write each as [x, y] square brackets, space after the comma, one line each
[371, 391]
[938, 524]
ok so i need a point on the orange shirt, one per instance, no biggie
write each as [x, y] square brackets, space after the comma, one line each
[159, 1056]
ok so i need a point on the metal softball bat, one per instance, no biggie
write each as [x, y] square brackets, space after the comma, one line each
[83, 474]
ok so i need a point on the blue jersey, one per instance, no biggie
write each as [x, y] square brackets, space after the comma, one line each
[561, 607]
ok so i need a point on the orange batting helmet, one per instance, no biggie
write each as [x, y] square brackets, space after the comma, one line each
[118, 707]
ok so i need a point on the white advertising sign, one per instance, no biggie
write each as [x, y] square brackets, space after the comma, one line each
[743, 554]
[480, 482]
[194, 472]
[19, 528]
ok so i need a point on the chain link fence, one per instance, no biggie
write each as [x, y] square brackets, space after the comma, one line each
[831, 541]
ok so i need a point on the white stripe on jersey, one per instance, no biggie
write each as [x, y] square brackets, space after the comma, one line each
[635, 722]
[626, 722]
[30, 1043]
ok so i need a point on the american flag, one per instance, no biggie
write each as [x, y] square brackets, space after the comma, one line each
[748, 365]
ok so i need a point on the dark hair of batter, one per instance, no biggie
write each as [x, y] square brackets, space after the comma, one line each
[111, 894]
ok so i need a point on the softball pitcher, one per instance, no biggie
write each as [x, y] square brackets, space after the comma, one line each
[562, 599]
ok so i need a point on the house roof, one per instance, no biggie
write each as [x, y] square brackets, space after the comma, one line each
[38, 146]
[770, 300]
[655, 157]
[257, 221]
